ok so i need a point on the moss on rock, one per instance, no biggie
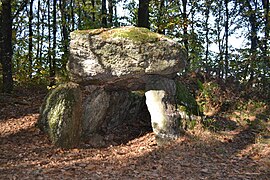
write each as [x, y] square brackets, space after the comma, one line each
[135, 34]
[60, 115]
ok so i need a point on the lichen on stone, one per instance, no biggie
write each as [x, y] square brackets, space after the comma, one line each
[60, 115]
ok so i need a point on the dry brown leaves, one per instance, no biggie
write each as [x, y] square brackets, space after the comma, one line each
[26, 153]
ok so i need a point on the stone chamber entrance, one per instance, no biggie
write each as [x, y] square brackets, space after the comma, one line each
[127, 119]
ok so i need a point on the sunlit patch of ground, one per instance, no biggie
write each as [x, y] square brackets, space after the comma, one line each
[26, 153]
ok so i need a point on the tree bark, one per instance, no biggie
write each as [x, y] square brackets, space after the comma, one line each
[220, 46]
[53, 70]
[30, 45]
[253, 42]
[184, 16]
[226, 39]
[104, 14]
[49, 41]
[110, 8]
[72, 15]
[38, 31]
[6, 27]
[143, 14]
[266, 26]
[207, 36]
[161, 30]
[93, 13]
[1, 41]
[64, 32]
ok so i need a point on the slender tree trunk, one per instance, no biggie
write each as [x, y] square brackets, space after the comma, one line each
[143, 14]
[93, 13]
[54, 44]
[253, 41]
[161, 30]
[72, 15]
[185, 39]
[110, 8]
[49, 41]
[220, 48]
[38, 32]
[6, 27]
[116, 22]
[266, 26]
[1, 42]
[207, 37]
[104, 14]
[30, 45]
[266, 36]
[79, 17]
[226, 39]
[64, 32]
[43, 17]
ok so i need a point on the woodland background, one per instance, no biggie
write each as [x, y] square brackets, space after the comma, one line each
[230, 85]
[35, 35]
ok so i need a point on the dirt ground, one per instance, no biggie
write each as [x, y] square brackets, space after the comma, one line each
[26, 153]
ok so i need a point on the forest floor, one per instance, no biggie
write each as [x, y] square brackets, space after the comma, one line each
[26, 153]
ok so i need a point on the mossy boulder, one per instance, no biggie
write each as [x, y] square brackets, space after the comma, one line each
[123, 57]
[60, 115]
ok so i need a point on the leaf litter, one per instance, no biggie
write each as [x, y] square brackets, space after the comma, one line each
[26, 152]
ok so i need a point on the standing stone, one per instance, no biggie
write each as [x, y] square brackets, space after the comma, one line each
[162, 105]
[94, 111]
[60, 115]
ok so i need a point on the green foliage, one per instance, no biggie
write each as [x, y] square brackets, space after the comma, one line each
[187, 106]
[172, 18]
[210, 97]
[186, 100]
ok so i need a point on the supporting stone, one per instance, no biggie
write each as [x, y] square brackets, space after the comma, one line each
[60, 115]
[162, 105]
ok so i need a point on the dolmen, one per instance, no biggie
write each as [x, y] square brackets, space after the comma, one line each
[113, 73]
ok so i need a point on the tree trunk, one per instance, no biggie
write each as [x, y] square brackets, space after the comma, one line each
[30, 45]
[253, 41]
[49, 41]
[143, 14]
[6, 27]
[72, 15]
[38, 32]
[266, 34]
[1, 41]
[161, 29]
[266, 26]
[220, 47]
[110, 8]
[43, 18]
[93, 13]
[226, 39]
[184, 16]
[52, 75]
[207, 36]
[104, 14]
[64, 32]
